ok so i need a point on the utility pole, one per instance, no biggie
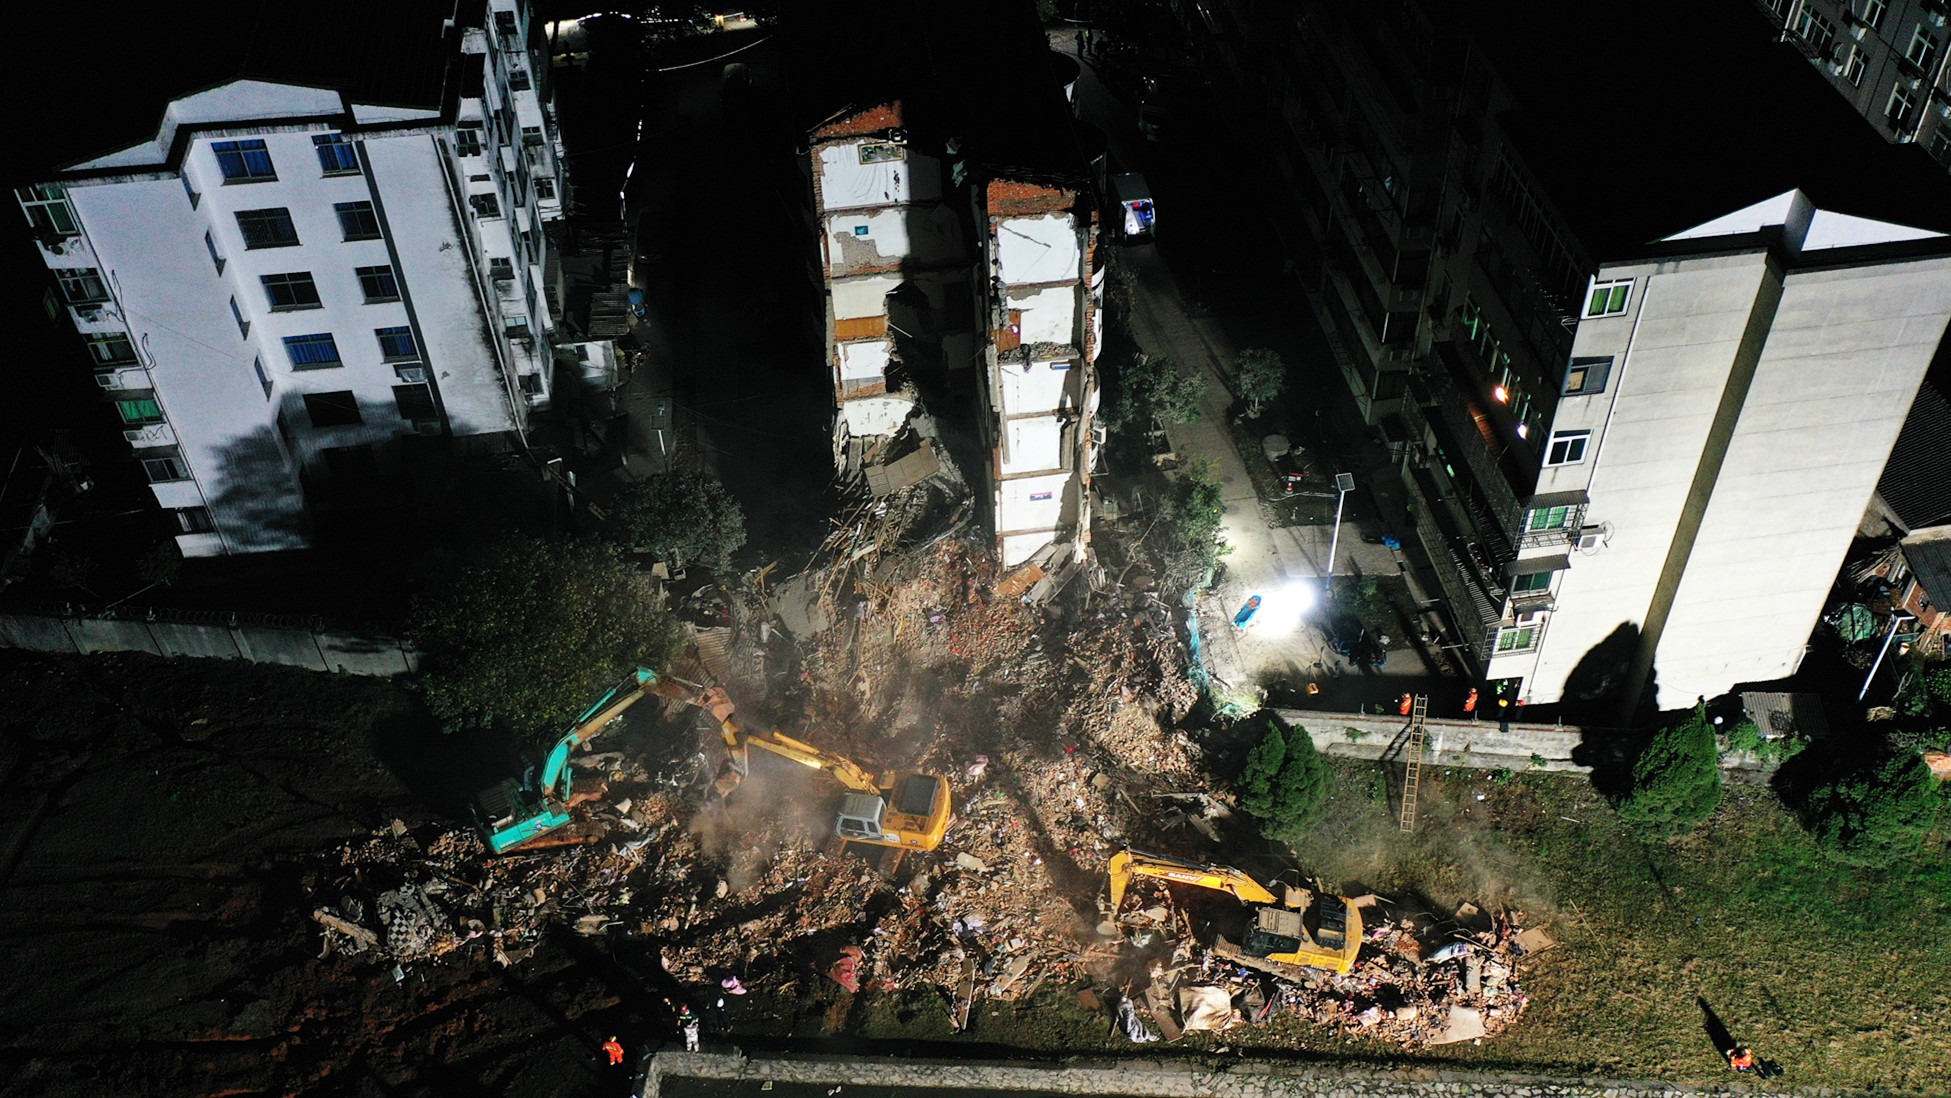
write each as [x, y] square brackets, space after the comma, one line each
[1344, 483]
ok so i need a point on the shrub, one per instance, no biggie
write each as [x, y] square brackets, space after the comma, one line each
[1676, 780]
[689, 516]
[1746, 736]
[1156, 385]
[1188, 535]
[1878, 814]
[1285, 784]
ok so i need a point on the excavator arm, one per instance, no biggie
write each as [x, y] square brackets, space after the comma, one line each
[1127, 864]
[555, 770]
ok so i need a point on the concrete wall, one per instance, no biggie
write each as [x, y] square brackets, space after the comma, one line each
[1477, 745]
[356, 653]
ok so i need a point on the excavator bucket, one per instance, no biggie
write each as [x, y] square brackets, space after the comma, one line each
[738, 763]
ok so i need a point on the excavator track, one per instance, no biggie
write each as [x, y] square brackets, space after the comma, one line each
[1292, 973]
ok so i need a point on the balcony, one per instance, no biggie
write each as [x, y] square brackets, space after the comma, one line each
[122, 377]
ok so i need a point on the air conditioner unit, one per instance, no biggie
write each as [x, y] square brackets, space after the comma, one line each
[90, 313]
[1591, 539]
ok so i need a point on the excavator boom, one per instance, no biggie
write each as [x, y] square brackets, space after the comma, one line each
[1308, 930]
[1127, 864]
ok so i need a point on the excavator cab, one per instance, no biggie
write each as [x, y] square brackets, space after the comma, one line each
[911, 811]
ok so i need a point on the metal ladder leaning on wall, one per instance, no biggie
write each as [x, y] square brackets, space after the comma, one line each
[1412, 778]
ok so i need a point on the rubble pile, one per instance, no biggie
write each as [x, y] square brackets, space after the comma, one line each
[1418, 981]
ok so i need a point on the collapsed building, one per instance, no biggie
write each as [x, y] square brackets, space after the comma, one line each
[957, 227]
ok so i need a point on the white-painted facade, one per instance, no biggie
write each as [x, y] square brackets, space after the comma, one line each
[286, 282]
[1725, 420]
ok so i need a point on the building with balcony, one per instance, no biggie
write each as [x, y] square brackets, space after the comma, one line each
[1451, 184]
[308, 250]
[957, 231]
[1889, 58]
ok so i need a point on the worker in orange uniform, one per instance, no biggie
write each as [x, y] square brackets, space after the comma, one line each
[615, 1049]
[1741, 1059]
[1408, 703]
[1470, 703]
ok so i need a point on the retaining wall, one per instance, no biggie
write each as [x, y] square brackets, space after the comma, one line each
[1483, 745]
[354, 652]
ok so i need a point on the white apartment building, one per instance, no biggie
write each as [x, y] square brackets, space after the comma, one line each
[1729, 405]
[1890, 58]
[292, 284]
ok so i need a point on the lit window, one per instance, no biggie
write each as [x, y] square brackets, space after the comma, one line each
[1609, 298]
[1586, 376]
[292, 290]
[111, 349]
[336, 156]
[357, 220]
[1873, 12]
[1853, 69]
[244, 161]
[1814, 29]
[267, 228]
[312, 352]
[1567, 447]
[1549, 518]
[396, 343]
[139, 412]
[1923, 49]
[1898, 109]
[378, 284]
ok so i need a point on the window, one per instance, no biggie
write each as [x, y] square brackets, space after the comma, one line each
[336, 156]
[500, 267]
[515, 326]
[48, 210]
[1814, 29]
[139, 411]
[263, 379]
[166, 465]
[237, 314]
[190, 189]
[396, 343]
[1549, 518]
[1853, 68]
[1923, 49]
[217, 257]
[544, 188]
[414, 401]
[340, 409]
[1567, 447]
[1898, 109]
[1521, 639]
[1609, 298]
[518, 78]
[485, 205]
[357, 220]
[874, 152]
[1873, 12]
[1941, 145]
[244, 161]
[270, 228]
[192, 520]
[81, 285]
[378, 283]
[111, 349]
[312, 352]
[293, 290]
[1586, 376]
[532, 136]
[1531, 584]
[467, 139]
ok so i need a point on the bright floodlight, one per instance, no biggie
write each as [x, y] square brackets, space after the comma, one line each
[1282, 609]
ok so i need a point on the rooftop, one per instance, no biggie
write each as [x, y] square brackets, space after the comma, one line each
[1916, 481]
[1928, 552]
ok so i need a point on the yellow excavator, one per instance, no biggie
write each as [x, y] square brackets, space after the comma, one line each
[897, 809]
[1302, 929]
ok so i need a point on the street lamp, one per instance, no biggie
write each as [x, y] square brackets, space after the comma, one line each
[1344, 483]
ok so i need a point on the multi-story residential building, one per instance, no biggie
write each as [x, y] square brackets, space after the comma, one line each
[1731, 400]
[1887, 57]
[957, 233]
[1449, 180]
[317, 266]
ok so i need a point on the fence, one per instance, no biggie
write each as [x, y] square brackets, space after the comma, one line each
[295, 642]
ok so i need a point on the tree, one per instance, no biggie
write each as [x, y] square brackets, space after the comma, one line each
[1676, 780]
[1189, 531]
[532, 631]
[686, 515]
[1926, 692]
[1286, 783]
[1155, 385]
[1877, 814]
[1258, 376]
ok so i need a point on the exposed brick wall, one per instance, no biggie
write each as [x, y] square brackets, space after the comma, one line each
[871, 120]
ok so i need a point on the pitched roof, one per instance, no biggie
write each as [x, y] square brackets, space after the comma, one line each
[1916, 481]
